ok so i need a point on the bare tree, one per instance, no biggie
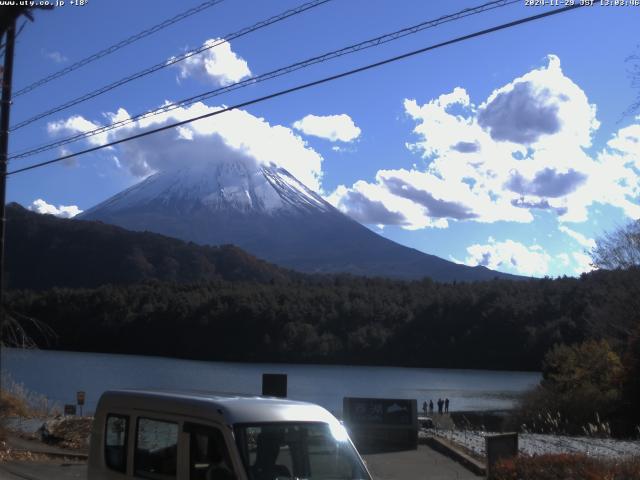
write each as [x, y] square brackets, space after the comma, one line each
[618, 249]
[18, 329]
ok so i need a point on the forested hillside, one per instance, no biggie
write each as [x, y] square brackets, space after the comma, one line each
[43, 251]
[498, 324]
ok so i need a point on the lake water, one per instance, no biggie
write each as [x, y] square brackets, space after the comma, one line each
[59, 375]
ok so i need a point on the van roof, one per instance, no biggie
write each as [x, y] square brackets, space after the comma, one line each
[227, 408]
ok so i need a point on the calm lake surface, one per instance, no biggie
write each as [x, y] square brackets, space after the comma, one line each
[59, 375]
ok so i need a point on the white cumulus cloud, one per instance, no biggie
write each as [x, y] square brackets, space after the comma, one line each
[522, 150]
[56, 56]
[77, 124]
[63, 211]
[331, 127]
[218, 64]
[510, 256]
[374, 205]
[583, 240]
[541, 107]
[234, 133]
[583, 262]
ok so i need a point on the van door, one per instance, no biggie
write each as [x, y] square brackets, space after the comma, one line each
[116, 442]
[209, 455]
[156, 449]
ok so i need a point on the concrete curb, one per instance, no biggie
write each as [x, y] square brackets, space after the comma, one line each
[446, 448]
[20, 444]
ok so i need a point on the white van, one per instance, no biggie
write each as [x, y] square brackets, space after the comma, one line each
[205, 436]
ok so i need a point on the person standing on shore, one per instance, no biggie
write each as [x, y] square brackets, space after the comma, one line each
[424, 407]
[446, 405]
[431, 406]
[440, 403]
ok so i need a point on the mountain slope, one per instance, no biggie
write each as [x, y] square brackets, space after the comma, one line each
[267, 212]
[43, 251]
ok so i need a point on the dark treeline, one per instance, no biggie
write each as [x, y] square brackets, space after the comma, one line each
[498, 324]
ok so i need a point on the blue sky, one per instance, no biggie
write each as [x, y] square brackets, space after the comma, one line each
[509, 150]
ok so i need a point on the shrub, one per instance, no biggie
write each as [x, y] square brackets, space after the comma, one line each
[566, 467]
[17, 400]
[579, 393]
[10, 406]
[13, 406]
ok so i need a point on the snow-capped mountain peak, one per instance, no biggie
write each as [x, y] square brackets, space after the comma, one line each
[268, 212]
[234, 186]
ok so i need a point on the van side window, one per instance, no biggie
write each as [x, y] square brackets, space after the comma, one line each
[209, 457]
[115, 442]
[156, 454]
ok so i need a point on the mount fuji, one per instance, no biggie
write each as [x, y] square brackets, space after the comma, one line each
[269, 213]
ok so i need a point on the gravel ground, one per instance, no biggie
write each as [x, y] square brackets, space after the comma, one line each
[538, 444]
[70, 433]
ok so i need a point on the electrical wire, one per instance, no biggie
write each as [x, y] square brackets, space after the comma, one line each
[117, 46]
[172, 61]
[305, 86]
[15, 38]
[374, 42]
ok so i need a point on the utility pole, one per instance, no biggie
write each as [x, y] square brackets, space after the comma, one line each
[10, 15]
[7, 75]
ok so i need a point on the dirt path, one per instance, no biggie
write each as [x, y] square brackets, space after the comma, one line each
[34, 446]
[423, 463]
[43, 470]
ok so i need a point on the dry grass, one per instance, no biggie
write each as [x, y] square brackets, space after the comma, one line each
[567, 467]
[17, 400]
[11, 406]
[8, 454]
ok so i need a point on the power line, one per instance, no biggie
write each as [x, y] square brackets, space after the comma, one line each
[2, 47]
[118, 46]
[172, 61]
[374, 42]
[305, 86]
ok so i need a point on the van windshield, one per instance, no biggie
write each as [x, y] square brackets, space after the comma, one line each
[317, 451]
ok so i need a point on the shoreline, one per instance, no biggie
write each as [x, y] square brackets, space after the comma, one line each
[326, 385]
[283, 363]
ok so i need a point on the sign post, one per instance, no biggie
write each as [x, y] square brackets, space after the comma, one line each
[80, 397]
[69, 409]
[274, 384]
[503, 445]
